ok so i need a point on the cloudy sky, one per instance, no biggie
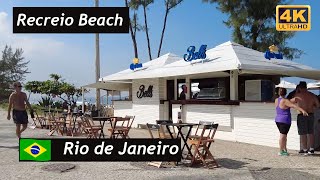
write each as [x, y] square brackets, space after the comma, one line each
[72, 55]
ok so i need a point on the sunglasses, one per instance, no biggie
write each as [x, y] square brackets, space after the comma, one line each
[18, 86]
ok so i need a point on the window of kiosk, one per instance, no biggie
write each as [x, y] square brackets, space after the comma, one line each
[264, 94]
[210, 89]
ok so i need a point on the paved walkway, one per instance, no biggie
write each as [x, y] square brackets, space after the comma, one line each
[237, 161]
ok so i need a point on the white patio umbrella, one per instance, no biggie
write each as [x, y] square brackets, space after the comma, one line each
[286, 84]
[314, 85]
[194, 88]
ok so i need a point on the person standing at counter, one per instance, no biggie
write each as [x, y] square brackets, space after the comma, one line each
[309, 102]
[183, 94]
[283, 118]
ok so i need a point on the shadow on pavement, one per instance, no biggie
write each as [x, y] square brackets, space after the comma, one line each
[10, 147]
[265, 173]
[231, 163]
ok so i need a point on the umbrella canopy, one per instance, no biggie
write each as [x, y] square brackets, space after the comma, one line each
[286, 84]
[314, 85]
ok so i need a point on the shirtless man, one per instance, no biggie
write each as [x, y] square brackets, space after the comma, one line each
[17, 100]
[309, 102]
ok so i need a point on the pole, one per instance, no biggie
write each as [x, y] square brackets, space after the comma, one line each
[97, 64]
[82, 89]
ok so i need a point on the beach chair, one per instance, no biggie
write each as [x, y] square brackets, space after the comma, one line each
[164, 128]
[201, 145]
[201, 123]
[91, 131]
[38, 121]
[129, 126]
[67, 125]
[55, 125]
[120, 127]
[161, 135]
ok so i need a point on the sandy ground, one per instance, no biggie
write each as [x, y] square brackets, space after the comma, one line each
[236, 160]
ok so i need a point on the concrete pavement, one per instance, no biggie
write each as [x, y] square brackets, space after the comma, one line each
[237, 161]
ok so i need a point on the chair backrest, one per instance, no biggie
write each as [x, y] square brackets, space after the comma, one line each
[159, 128]
[208, 131]
[165, 130]
[85, 121]
[201, 123]
[153, 127]
[125, 122]
[131, 120]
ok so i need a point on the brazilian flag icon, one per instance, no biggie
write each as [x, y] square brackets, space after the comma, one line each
[35, 150]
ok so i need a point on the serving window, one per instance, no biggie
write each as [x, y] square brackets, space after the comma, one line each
[210, 89]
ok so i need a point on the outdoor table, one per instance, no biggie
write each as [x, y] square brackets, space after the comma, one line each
[184, 137]
[102, 121]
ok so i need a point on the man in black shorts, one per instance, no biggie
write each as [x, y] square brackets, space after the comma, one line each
[309, 102]
[18, 100]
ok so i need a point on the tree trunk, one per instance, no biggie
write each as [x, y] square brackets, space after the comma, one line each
[133, 37]
[164, 28]
[147, 31]
[255, 34]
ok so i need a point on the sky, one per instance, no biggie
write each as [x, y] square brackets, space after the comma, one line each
[73, 55]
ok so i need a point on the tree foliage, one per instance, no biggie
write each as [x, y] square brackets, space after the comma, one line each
[253, 24]
[55, 87]
[13, 67]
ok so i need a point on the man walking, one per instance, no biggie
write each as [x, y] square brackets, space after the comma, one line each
[17, 101]
[309, 102]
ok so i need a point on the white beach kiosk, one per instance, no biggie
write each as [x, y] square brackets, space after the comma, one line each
[236, 88]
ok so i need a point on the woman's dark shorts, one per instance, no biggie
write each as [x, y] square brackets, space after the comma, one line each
[20, 117]
[305, 124]
[283, 127]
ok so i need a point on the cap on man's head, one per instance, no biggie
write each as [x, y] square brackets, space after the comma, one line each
[303, 84]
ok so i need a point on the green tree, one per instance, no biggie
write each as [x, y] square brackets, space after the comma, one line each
[55, 87]
[13, 67]
[170, 4]
[253, 24]
[55, 77]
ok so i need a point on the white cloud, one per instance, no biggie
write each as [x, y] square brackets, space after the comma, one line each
[30, 45]
[48, 55]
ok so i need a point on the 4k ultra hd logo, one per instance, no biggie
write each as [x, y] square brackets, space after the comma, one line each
[293, 18]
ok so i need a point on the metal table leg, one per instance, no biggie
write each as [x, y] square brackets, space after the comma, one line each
[185, 138]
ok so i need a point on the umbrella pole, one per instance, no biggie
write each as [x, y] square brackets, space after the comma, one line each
[107, 98]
